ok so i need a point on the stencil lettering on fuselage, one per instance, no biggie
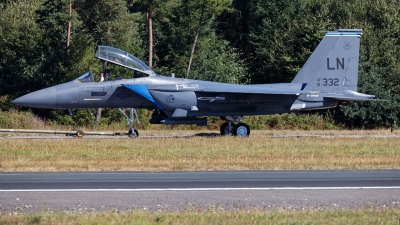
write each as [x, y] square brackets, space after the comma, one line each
[185, 86]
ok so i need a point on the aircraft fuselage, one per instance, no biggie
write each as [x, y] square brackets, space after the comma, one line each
[171, 93]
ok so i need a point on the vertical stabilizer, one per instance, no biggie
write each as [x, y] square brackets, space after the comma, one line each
[333, 66]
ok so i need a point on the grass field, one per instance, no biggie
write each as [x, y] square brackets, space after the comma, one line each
[264, 150]
[205, 150]
[360, 216]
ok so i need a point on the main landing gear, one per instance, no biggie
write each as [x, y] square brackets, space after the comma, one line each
[240, 129]
[132, 132]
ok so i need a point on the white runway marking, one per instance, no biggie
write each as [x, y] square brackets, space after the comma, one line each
[203, 189]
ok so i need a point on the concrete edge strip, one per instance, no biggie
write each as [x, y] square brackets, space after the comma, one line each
[201, 189]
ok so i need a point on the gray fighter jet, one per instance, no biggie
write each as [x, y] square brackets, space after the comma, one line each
[328, 79]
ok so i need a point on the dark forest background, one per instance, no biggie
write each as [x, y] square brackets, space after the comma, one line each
[245, 42]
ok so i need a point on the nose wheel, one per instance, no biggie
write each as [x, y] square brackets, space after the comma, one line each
[133, 133]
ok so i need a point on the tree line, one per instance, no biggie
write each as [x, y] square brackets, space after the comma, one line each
[47, 42]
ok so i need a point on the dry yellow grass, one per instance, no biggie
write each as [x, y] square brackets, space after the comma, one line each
[361, 216]
[264, 150]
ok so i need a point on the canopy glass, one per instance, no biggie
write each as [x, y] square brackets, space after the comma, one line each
[122, 58]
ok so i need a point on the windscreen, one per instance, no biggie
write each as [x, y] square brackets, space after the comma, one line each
[84, 78]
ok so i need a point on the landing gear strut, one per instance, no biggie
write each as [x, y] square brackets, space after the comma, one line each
[227, 129]
[240, 129]
[132, 132]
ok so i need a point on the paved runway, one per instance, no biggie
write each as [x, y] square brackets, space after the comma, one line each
[124, 191]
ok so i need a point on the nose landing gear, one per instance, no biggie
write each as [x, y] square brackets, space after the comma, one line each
[132, 132]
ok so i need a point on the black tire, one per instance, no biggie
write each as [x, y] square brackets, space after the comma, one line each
[133, 135]
[80, 133]
[225, 129]
[241, 130]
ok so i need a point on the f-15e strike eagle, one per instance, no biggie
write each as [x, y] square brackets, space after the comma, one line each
[328, 79]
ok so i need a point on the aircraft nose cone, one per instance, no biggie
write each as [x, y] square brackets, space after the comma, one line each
[45, 98]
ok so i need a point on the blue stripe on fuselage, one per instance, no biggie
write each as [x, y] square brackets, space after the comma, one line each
[142, 90]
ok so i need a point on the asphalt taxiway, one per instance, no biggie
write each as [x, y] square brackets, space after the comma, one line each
[204, 190]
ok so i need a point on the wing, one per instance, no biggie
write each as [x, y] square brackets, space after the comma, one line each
[212, 87]
[171, 95]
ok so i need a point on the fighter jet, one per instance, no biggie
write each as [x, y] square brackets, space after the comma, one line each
[328, 79]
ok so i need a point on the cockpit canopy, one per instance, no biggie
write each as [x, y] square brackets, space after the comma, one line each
[122, 58]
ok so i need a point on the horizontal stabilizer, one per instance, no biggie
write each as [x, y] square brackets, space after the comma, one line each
[353, 96]
[357, 99]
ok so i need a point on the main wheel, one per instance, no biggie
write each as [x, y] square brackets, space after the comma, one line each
[133, 134]
[225, 129]
[241, 130]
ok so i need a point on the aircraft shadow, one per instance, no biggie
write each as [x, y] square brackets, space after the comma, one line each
[208, 135]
